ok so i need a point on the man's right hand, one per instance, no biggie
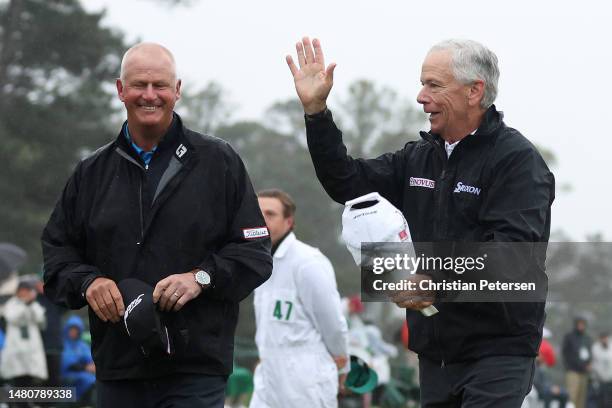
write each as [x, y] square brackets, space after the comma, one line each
[105, 300]
[341, 362]
[312, 81]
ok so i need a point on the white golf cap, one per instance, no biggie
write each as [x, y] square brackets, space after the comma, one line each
[379, 222]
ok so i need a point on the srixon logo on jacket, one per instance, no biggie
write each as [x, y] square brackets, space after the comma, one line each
[464, 188]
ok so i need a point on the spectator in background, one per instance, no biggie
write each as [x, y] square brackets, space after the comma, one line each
[577, 359]
[23, 357]
[602, 368]
[77, 367]
[547, 353]
[547, 391]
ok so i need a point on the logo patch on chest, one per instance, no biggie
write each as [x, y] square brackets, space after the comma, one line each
[422, 182]
[464, 188]
[180, 151]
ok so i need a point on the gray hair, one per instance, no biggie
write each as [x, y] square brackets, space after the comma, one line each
[472, 61]
[146, 46]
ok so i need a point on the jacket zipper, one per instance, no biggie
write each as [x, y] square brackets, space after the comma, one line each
[439, 212]
[143, 170]
[442, 193]
[141, 213]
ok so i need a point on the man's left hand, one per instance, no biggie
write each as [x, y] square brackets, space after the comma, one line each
[174, 291]
[414, 299]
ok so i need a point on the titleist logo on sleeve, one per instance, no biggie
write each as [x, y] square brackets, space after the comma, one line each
[252, 233]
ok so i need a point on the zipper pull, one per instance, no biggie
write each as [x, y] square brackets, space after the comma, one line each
[442, 365]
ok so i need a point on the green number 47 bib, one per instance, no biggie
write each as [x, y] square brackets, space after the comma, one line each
[278, 310]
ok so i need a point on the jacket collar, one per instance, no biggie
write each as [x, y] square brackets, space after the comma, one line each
[174, 138]
[285, 245]
[491, 121]
[165, 142]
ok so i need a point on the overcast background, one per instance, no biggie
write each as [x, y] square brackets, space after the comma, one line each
[555, 60]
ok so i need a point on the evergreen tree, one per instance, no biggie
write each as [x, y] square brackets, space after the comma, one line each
[57, 68]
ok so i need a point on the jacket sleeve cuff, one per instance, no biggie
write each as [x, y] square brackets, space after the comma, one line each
[324, 114]
[87, 281]
[321, 132]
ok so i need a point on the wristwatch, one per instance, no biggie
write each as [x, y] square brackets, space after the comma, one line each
[202, 278]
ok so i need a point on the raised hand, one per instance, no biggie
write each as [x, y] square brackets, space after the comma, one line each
[313, 81]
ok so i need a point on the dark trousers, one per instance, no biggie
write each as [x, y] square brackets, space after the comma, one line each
[54, 362]
[176, 391]
[496, 382]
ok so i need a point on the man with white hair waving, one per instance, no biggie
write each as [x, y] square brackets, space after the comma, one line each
[471, 178]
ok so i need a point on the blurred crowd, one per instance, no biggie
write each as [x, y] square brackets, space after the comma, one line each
[43, 346]
[587, 366]
[571, 371]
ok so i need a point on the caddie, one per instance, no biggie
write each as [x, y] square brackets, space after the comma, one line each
[301, 331]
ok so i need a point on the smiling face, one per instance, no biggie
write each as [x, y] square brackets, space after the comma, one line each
[149, 89]
[447, 101]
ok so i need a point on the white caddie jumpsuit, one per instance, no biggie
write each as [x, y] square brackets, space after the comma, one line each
[300, 327]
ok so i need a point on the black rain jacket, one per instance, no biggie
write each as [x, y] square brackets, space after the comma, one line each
[495, 187]
[204, 214]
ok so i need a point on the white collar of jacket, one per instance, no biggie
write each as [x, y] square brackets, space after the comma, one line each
[284, 246]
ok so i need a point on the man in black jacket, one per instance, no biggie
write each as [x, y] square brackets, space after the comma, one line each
[170, 207]
[470, 179]
[577, 357]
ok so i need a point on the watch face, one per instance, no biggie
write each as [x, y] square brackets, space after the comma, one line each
[202, 277]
